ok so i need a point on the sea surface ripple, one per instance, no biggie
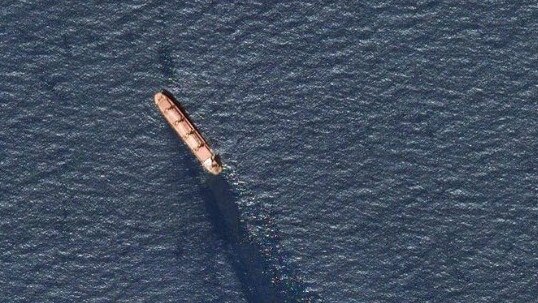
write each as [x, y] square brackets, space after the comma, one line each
[375, 151]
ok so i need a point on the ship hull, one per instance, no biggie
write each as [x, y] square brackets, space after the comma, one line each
[185, 129]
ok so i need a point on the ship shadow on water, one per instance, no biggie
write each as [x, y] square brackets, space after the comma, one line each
[259, 275]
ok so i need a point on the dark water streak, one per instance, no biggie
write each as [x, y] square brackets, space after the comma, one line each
[260, 278]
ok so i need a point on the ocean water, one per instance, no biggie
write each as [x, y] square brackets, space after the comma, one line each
[375, 151]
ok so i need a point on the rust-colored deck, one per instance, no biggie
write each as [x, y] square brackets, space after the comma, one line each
[179, 121]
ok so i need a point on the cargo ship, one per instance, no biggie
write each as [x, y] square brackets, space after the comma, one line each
[178, 119]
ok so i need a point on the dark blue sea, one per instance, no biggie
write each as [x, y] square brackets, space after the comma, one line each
[374, 151]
